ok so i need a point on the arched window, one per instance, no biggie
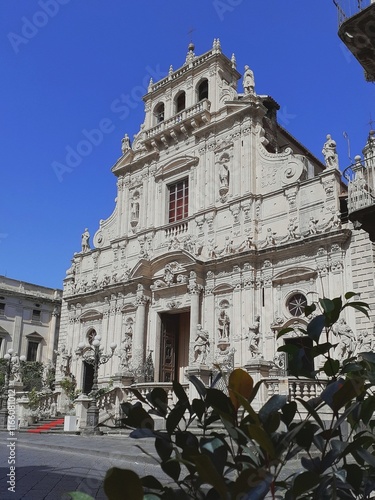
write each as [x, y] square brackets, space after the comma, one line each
[159, 112]
[203, 90]
[180, 102]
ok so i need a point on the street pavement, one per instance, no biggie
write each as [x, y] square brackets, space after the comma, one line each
[48, 466]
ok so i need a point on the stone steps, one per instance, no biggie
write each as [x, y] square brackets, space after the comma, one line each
[46, 425]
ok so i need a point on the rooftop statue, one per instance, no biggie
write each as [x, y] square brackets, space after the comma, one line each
[329, 152]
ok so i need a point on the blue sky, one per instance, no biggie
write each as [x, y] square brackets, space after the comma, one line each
[66, 64]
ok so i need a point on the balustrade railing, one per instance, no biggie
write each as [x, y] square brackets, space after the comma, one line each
[293, 388]
[361, 188]
[194, 110]
[177, 229]
[145, 388]
[348, 8]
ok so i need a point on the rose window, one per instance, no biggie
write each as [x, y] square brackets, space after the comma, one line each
[296, 304]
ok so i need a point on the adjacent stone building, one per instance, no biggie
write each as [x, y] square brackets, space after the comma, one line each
[29, 320]
[225, 226]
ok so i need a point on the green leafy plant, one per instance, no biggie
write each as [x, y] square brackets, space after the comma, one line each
[34, 399]
[241, 453]
[32, 375]
[68, 384]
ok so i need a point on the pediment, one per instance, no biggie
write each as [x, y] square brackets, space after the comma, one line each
[223, 288]
[176, 166]
[3, 332]
[294, 275]
[90, 315]
[35, 336]
[180, 259]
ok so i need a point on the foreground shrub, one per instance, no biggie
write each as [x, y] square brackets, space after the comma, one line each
[241, 453]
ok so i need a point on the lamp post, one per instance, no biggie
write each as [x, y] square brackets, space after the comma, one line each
[11, 358]
[94, 356]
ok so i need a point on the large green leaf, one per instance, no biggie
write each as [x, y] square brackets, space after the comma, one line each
[252, 484]
[209, 474]
[259, 435]
[174, 418]
[138, 417]
[305, 482]
[221, 403]
[159, 398]
[199, 385]
[288, 412]
[199, 408]
[315, 327]
[352, 388]
[181, 394]
[122, 483]
[151, 483]
[274, 404]
[172, 468]
[354, 475]
[215, 448]
[284, 331]
[359, 306]
[306, 435]
[163, 447]
[240, 382]
[331, 367]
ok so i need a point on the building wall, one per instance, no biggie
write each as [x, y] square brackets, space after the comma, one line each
[30, 314]
[263, 225]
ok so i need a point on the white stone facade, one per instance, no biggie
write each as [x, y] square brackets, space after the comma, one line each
[29, 320]
[224, 225]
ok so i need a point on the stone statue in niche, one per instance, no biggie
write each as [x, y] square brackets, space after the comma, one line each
[329, 152]
[134, 210]
[85, 241]
[224, 176]
[313, 225]
[254, 338]
[248, 81]
[224, 325]
[126, 352]
[201, 346]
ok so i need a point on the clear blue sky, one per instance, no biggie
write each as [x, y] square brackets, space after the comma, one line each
[62, 72]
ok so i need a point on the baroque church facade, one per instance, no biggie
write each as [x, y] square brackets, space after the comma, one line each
[224, 228]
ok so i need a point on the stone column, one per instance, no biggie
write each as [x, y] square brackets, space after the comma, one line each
[140, 324]
[52, 334]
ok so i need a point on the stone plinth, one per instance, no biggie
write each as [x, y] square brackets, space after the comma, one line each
[122, 379]
[258, 368]
[81, 405]
[203, 373]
